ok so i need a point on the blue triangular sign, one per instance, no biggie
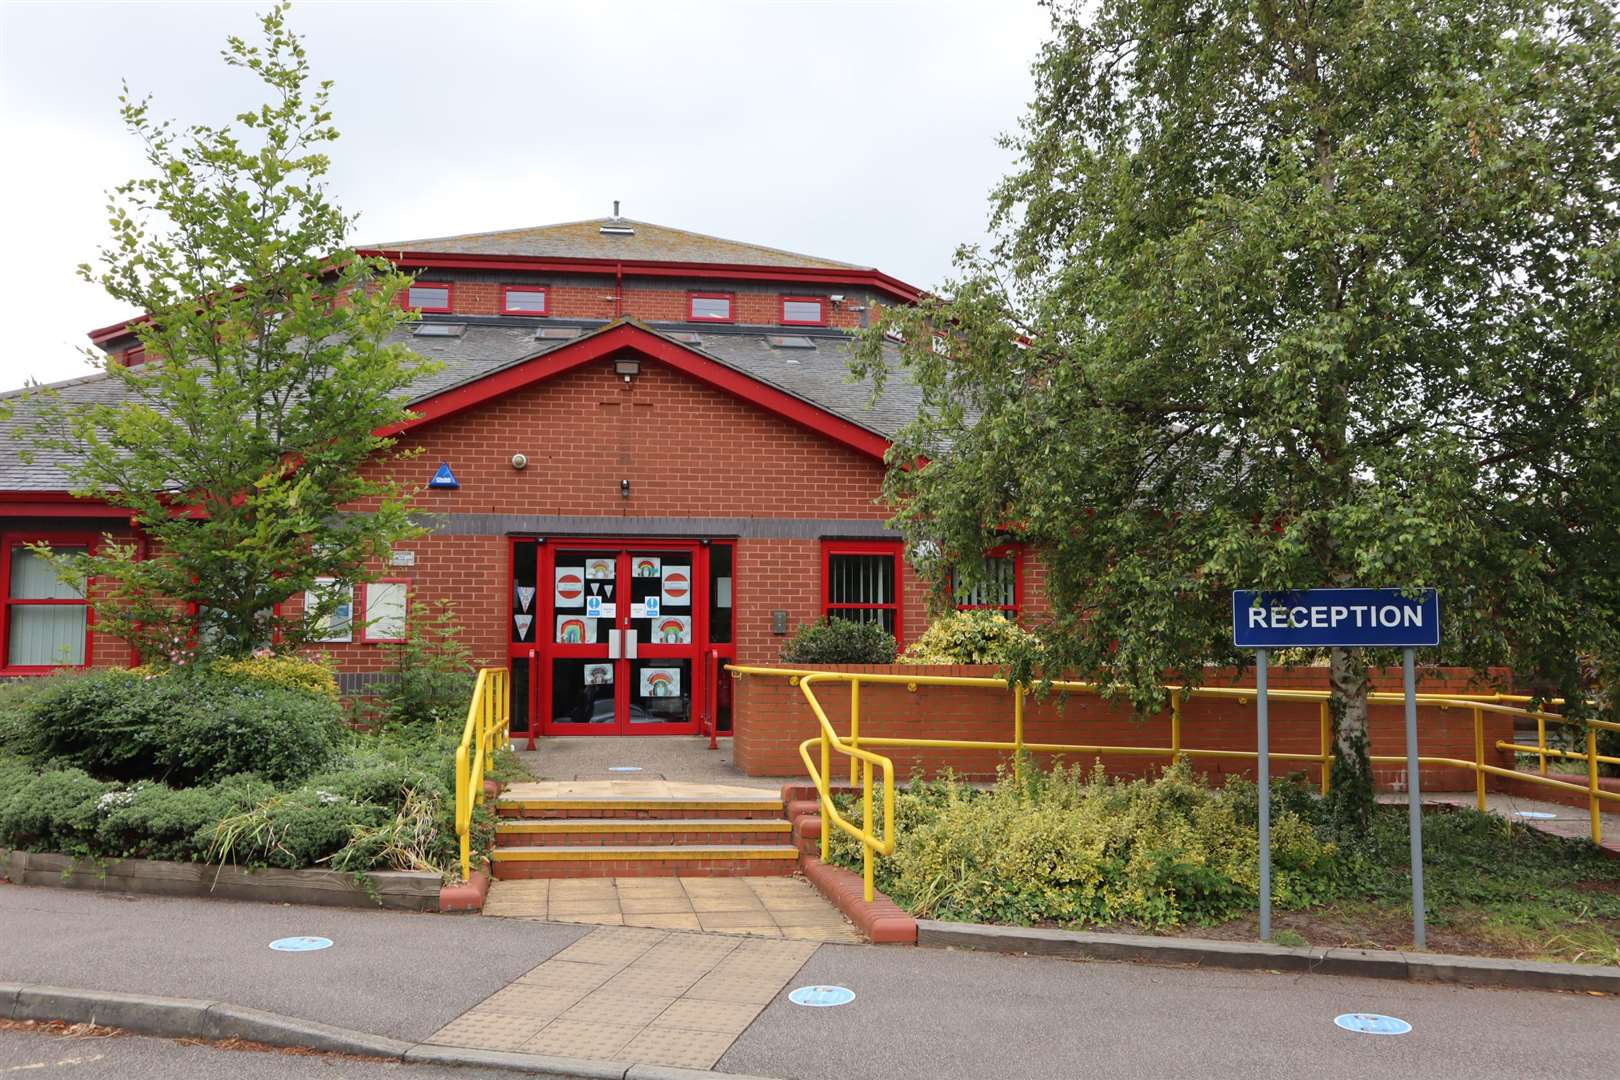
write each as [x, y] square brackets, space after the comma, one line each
[444, 478]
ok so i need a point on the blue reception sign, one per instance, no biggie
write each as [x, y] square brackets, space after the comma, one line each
[1317, 618]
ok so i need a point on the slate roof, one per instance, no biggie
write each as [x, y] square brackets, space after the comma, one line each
[818, 375]
[585, 240]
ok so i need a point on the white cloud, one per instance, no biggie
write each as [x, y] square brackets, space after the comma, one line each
[857, 131]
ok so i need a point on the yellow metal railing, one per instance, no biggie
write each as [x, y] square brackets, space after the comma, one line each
[876, 842]
[489, 723]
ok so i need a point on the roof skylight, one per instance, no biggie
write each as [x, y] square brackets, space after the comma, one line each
[439, 329]
[793, 341]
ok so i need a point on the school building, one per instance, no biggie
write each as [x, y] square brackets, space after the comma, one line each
[641, 459]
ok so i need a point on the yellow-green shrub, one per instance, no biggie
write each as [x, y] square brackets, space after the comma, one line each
[1072, 849]
[283, 670]
[968, 637]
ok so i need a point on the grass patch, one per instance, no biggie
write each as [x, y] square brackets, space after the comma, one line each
[1073, 849]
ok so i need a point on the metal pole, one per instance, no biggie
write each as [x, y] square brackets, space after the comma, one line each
[1264, 773]
[1414, 806]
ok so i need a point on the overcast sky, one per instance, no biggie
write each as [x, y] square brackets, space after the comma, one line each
[861, 130]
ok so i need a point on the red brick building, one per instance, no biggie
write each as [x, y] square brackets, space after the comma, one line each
[641, 459]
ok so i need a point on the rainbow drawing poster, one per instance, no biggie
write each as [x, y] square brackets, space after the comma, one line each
[599, 569]
[661, 682]
[644, 565]
[570, 587]
[575, 630]
[673, 630]
[677, 586]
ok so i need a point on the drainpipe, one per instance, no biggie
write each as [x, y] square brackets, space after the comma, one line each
[618, 290]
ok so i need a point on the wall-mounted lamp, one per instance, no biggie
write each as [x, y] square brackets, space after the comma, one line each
[629, 367]
[624, 489]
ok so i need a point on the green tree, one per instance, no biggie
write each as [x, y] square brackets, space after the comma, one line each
[1291, 295]
[236, 448]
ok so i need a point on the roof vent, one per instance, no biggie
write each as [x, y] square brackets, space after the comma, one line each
[439, 329]
[557, 333]
[616, 230]
[686, 337]
[794, 341]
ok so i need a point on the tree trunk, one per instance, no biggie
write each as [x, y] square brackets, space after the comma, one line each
[1351, 802]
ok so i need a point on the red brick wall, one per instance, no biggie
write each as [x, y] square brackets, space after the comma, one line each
[594, 298]
[687, 449]
[772, 719]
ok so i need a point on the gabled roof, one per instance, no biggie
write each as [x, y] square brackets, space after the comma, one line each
[806, 385]
[809, 386]
[644, 242]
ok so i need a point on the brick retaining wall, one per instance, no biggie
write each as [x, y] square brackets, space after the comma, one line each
[772, 718]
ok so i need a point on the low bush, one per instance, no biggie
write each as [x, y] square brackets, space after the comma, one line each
[1072, 849]
[840, 641]
[969, 637]
[432, 673]
[181, 727]
[283, 670]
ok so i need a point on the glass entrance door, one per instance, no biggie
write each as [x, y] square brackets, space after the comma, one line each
[618, 642]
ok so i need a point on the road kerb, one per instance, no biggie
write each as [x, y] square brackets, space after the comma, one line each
[534, 1064]
[1367, 963]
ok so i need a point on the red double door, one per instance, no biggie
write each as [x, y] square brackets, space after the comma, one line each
[616, 641]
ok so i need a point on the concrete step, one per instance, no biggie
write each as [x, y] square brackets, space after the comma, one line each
[593, 807]
[644, 860]
[560, 832]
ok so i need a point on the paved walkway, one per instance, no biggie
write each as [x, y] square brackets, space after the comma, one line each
[1550, 817]
[917, 1012]
[631, 994]
[658, 757]
[772, 907]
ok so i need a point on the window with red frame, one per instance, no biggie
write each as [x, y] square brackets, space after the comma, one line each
[47, 619]
[386, 603]
[1001, 588]
[429, 297]
[525, 300]
[710, 307]
[804, 311]
[860, 581]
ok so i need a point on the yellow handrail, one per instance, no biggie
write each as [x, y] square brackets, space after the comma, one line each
[489, 723]
[856, 746]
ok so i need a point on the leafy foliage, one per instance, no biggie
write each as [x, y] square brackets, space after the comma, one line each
[1075, 849]
[284, 670]
[969, 637]
[270, 371]
[840, 641]
[184, 727]
[1286, 297]
[432, 670]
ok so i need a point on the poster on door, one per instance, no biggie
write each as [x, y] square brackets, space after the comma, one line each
[598, 569]
[598, 674]
[574, 630]
[644, 565]
[673, 630]
[661, 682]
[570, 587]
[677, 586]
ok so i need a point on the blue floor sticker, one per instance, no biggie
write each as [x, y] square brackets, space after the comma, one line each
[1372, 1024]
[822, 997]
[301, 944]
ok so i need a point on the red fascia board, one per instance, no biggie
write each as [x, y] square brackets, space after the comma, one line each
[647, 268]
[55, 504]
[606, 342]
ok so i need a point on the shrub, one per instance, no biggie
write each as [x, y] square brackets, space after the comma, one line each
[283, 670]
[969, 637]
[51, 811]
[433, 672]
[152, 821]
[1073, 849]
[182, 727]
[840, 641]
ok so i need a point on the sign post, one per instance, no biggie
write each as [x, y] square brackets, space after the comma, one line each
[1346, 618]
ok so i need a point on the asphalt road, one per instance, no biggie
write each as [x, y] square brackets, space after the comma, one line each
[935, 1013]
[399, 974]
[130, 1057]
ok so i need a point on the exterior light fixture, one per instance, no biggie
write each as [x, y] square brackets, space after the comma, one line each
[624, 489]
[629, 367]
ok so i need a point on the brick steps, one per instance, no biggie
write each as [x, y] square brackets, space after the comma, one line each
[645, 860]
[611, 835]
[581, 832]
